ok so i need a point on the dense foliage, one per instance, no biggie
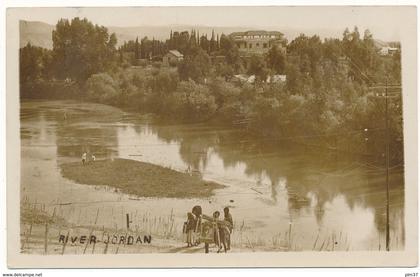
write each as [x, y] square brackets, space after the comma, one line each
[332, 95]
[81, 49]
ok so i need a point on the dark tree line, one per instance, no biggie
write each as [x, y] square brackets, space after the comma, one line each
[327, 90]
[185, 42]
[143, 49]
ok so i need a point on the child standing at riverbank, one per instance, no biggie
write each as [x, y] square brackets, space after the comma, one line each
[190, 228]
[228, 218]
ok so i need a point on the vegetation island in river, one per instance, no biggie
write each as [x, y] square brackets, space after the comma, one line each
[139, 178]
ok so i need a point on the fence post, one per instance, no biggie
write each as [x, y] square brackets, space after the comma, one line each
[290, 235]
[46, 238]
[91, 233]
[128, 221]
[25, 242]
[65, 242]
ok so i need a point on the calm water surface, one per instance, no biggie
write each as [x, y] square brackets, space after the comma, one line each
[270, 187]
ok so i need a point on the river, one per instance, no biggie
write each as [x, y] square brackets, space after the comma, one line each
[272, 188]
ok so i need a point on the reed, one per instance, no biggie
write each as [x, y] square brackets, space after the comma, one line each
[42, 230]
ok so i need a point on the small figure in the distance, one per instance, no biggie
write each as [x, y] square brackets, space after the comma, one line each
[188, 170]
[84, 158]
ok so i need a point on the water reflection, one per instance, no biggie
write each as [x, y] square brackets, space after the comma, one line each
[314, 179]
[271, 183]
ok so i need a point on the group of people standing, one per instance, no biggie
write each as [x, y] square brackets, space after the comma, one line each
[221, 234]
[84, 158]
[224, 229]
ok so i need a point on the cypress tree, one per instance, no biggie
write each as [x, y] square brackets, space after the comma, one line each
[121, 55]
[136, 49]
[212, 42]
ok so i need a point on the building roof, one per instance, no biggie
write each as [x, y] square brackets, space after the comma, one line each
[257, 33]
[176, 53]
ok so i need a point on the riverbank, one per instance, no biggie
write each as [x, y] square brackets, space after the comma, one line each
[139, 179]
[44, 230]
[46, 233]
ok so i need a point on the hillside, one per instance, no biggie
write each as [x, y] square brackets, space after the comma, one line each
[163, 32]
[39, 33]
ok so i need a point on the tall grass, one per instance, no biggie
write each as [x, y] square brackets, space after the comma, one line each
[38, 221]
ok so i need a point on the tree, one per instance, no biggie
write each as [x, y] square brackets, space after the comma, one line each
[369, 55]
[226, 43]
[34, 63]
[258, 67]
[229, 49]
[193, 39]
[331, 49]
[195, 67]
[309, 50]
[181, 41]
[213, 43]
[137, 49]
[204, 43]
[276, 60]
[146, 48]
[224, 92]
[396, 67]
[192, 101]
[120, 56]
[103, 88]
[267, 119]
[362, 54]
[225, 70]
[81, 49]
[294, 78]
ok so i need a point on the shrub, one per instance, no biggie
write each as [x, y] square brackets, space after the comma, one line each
[102, 88]
[192, 102]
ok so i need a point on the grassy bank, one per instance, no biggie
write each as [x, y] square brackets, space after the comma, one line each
[139, 178]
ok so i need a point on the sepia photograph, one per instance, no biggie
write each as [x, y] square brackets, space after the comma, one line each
[210, 134]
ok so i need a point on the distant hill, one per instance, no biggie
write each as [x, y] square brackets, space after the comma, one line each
[163, 32]
[40, 33]
[380, 43]
[37, 33]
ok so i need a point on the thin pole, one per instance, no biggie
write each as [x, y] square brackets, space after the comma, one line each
[387, 166]
[46, 238]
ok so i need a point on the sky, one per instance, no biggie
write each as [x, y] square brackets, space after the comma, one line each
[381, 21]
